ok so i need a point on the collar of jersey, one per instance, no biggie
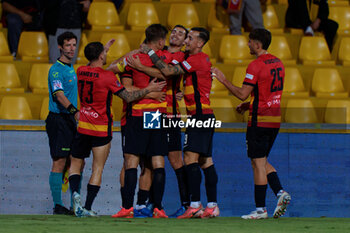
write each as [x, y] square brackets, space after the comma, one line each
[63, 63]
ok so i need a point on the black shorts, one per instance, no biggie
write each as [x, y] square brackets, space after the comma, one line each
[174, 139]
[146, 142]
[200, 140]
[61, 130]
[260, 140]
[83, 144]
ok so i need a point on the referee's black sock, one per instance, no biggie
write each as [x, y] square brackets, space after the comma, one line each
[142, 197]
[181, 176]
[92, 191]
[129, 187]
[260, 195]
[158, 186]
[74, 183]
[194, 177]
[211, 180]
[274, 182]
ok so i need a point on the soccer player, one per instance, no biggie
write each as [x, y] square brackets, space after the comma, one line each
[96, 87]
[198, 141]
[61, 121]
[264, 81]
[148, 144]
[173, 94]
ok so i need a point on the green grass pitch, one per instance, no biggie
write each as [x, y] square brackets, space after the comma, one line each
[67, 224]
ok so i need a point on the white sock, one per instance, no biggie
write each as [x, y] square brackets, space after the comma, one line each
[280, 193]
[195, 204]
[138, 207]
[212, 204]
[260, 209]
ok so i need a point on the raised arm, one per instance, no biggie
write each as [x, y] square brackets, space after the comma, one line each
[166, 69]
[241, 93]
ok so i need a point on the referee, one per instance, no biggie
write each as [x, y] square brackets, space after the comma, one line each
[61, 121]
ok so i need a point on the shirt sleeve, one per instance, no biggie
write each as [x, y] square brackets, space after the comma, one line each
[251, 76]
[190, 65]
[55, 81]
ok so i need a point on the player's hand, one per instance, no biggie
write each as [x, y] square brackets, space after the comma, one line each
[86, 5]
[144, 48]
[27, 18]
[179, 95]
[159, 96]
[216, 73]
[134, 62]
[109, 44]
[242, 107]
[77, 116]
[156, 86]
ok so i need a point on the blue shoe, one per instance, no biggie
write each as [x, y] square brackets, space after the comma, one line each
[150, 206]
[143, 213]
[178, 213]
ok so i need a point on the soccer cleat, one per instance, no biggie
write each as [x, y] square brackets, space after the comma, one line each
[159, 213]
[178, 212]
[124, 213]
[211, 212]
[90, 213]
[256, 215]
[143, 213]
[62, 210]
[192, 213]
[77, 208]
[282, 203]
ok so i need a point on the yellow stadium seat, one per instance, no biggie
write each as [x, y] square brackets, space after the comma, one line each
[337, 112]
[176, 1]
[81, 59]
[15, 108]
[33, 47]
[210, 1]
[119, 48]
[103, 16]
[342, 16]
[344, 51]
[218, 89]
[239, 76]
[214, 24]
[184, 14]
[294, 84]
[38, 78]
[234, 50]
[141, 15]
[300, 111]
[271, 20]
[130, 1]
[333, 3]
[280, 48]
[327, 82]
[44, 111]
[224, 110]
[9, 80]
[314, 51]
[5, 55]
[117, 106]
[207, 50]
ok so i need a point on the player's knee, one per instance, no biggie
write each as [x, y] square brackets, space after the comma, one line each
[175, 160]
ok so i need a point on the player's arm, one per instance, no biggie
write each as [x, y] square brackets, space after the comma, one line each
[241, 93]
[165, 68]
[136, 64]
[130, 96]
[63, 100]
[118, 66]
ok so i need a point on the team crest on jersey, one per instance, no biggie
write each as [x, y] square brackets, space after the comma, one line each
[57, 85]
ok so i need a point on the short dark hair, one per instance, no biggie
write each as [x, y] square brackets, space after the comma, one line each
[262, 35]
[65, 36]
[181, 26]
[155, 32]
[93, 50]
[203, 34]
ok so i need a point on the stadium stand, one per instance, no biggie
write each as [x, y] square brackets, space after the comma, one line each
[218, 89]
[293, 84]
[103, 16]
[279, 47]
[344, 51]
[327, 83]
[300, 111]
[81, 57]
[184, 14]
[44, 111]
[207, 50]
[337, 112]
[341, 14]
[314, 51]
[5, 55]
[271, 21]
[238, 76]
[9, 79]
[140, 15]
[38, 78]
[15, 108]
[119, 48]
[224, 110]
[234, 50]
[33, 47]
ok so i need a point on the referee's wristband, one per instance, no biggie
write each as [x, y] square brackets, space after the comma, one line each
[72, 110]
[151, 52]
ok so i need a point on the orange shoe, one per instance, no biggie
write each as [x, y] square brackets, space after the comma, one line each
[124, 213]
[159, 213]
[211, 212]
[192, 213]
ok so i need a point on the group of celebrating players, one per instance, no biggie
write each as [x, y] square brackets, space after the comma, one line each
[150, 82]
